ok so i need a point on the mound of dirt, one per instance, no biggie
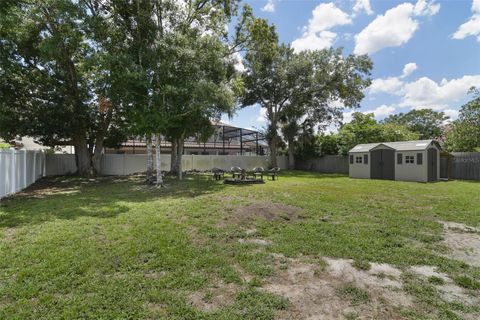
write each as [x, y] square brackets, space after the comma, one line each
[270, 211]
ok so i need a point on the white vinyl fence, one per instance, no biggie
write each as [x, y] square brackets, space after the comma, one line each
[125, 164]
[19, 169]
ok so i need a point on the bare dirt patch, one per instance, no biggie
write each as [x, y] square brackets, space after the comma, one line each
[448, 289]
[9, 234]
[260, 242]
[463, 242]
[154, 275]
[245, 214]
[314, 291]
[211, 299]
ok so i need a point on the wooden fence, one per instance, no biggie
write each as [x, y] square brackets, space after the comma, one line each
[327, 164]
[465, 165]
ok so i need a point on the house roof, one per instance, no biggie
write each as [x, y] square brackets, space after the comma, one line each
[415, 145]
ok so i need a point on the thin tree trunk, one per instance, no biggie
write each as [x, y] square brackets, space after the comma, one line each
[291, 154]
[159, 182]
[173, 158]
[180, 144]
[149, 160]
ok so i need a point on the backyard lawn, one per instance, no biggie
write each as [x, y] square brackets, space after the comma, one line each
[308, 246]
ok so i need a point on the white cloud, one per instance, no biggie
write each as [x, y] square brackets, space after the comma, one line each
[394, 28]
[426, 8]
[453, 114]
[326, 16]
[409, 69]
[314, 41]
[317, 34]
[226, 119]
[476, 6]
[472, 26]
[269, 7]
[262, 115]
[426, 93]
[362, 5]
[347, 116]
[239, 66]
[382, 111]
[390, 85]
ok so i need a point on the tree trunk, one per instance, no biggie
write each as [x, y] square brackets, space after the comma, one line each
[180, 144]
[273, 151]
[149, 160]
[97, 157]
[173, 158]
[159, 182]
[105, 120]
[291, 154]
[83, 156]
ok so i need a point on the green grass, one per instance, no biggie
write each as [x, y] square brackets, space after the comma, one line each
[112, 248]
[354, 294]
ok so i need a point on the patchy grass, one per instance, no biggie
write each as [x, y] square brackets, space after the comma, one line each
[362, 265]
[354, 294]
[113, 248]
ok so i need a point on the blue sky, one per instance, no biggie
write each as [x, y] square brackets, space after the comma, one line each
[426, 53]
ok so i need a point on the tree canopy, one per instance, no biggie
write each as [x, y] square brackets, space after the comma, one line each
[464, 133]
[427, 122]
[291, 86]
[365, 129]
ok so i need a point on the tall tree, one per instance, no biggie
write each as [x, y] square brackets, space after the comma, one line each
[198, 76]
[58, 59]
[464, 134]
[273, 81]
[427, 122]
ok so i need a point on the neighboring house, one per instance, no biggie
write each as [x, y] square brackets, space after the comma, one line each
[417, 160]
[226, 140]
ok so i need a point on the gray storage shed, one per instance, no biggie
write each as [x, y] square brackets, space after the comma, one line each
[417, 160]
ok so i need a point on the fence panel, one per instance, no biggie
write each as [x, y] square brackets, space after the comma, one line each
[60, 164]
[19, 169]
[466, 165]
[125, 164]
[326, 164]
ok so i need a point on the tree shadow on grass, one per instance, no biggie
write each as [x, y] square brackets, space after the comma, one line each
[73, 197]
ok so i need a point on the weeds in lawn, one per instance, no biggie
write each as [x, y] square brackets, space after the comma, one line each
[361, 265]
[354, 294]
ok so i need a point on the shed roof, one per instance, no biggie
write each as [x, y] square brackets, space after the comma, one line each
[414, 145]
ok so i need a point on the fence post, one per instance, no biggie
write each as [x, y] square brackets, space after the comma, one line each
[34, 171]
[24, 168]
[12, 172]
[44, 164]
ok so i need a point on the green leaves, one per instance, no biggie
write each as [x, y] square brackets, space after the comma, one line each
[365, 129]
[428, 123]
[464, 135]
